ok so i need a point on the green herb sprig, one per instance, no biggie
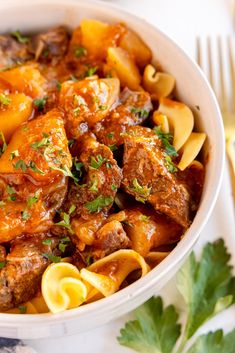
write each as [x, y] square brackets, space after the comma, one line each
[208, 287]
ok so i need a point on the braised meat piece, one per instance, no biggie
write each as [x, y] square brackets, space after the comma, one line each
[98, 236]
[20, 279]
[50, 46]
[134, 109]
[147, 178]
[12, 52]
[86, 102]
[100, 183]
[148, 230]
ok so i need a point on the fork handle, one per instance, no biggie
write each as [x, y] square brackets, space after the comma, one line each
[230, 148]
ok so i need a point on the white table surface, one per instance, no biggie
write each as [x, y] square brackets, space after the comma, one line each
[182, 20]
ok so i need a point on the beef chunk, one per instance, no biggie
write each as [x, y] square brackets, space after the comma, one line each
[111, 237]
[100, 183]
[50, 46]
[20, 279]
[146, 177]
[12, 52]
[133, 110]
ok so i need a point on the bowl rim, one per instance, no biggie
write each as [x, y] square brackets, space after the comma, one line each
[116, 300]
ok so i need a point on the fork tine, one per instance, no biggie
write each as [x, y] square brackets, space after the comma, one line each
[231, 71]
[210, 63]
[198, 52]
[222, 94]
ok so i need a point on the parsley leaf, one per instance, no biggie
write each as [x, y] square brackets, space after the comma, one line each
[52, 258]
[20, 164]
[66, 219]
[99, 203]
[91, 71]
[166, 141]
[32, 200]
[2, 264]
[47, 242]
[155, 329]
[4, 100]
[214, 342]
[39, 103]
[14, 154]
[142, 191]
[18, 36]
[113, 147]
[96, 162]
[34, 168]
[25, 215]
[211, 279]
[80, 51]
[22, 309]
[42, 143]
[170, 166]
[142, 113]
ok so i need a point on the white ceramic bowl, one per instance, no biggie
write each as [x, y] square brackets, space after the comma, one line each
[192, 88]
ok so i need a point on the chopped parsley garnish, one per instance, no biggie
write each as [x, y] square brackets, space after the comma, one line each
[34, 168]
[89, 260]
[20, 164]
[144, 218]
[22, 309]
[80, 51]
[142, 113]
[71, 142]
[108, 165]
[39, 103]
[94, 185]
[58, 85]
[4, 100]
[18, 36]
[113, 147]
[4, 144]
[99, 203]
[110, 135]
[76, 111]
[142, 191]
[14, 154]
[42, 143]
[2, 264]
[96, 162]
[102, 107]
[47, 242]
[113, 187]
[166, 141]
[25, 215]
[11, 191]
[171, 167]
[66, 171]
[77, 173]
[32, 200]
[66, 219]
[52, 258]
[91, 71]
[64, 242]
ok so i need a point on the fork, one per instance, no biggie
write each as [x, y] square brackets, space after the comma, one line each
[224, 89]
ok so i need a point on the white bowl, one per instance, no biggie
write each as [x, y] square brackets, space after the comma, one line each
[192, 88]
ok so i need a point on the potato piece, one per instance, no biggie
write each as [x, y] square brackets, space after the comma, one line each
[134, 45]
[42, 148]
[16, 112]
[180, 119]
[160, 84]
[97, 36]
[23, 79]
[125, 67]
